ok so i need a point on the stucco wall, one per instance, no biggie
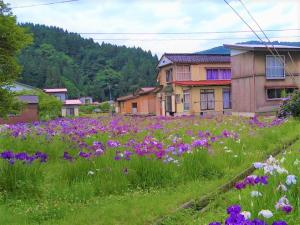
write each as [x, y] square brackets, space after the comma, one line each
[195, 99]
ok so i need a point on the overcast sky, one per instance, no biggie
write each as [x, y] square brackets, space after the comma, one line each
[164, 16]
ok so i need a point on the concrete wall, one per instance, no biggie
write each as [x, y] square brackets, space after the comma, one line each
[29, 114]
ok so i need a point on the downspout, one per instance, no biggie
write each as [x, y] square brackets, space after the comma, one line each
[254, 87]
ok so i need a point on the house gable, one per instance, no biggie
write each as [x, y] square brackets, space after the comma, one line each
[164, 61]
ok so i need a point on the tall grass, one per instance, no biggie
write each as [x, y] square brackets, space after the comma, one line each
[77, 183]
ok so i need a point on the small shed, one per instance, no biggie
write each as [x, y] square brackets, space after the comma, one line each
[28, 114]
[142, 102]
[86, 100]
[71, 107]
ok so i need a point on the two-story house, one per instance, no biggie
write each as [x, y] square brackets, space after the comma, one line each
[194, 84]
[261, 79]
[70, 106]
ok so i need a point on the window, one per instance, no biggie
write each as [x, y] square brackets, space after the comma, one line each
[278, 93]
[186, 100]
[207, 99]
[183, 73]
[169, 75]
[218, 74]
[70, 112]
[226, 98]
[134, 107]
[275, 67]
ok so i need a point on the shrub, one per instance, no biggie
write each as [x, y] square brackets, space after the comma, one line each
[291, 106]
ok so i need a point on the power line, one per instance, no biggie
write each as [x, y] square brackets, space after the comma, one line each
[180, 33]
[180, 39]
[42, 4]
[237, 13]
[279, 56]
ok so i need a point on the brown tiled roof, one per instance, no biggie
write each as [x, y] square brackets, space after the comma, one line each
[197, 58]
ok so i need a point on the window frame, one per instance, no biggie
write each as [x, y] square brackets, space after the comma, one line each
[186, 92]
[229, 91]
[219, 72]
[207, 91]
[280, 88]
[180, 73]
[169, 73]
[266, 68]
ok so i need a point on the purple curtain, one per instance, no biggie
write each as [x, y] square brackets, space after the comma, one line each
[225, 74]
[212, 74]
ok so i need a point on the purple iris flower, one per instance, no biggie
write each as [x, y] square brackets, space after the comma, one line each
[22, 156]
[240, 185]
[279, 222]
[215, 223]
[84, 155]
[264, 179]
[287, 209]
[258, 222]
[67, 156]
[234, 209]
[7, 155]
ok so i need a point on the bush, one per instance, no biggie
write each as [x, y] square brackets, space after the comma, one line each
[290, 106]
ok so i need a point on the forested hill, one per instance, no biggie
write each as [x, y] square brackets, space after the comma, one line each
[58, 58]
[223, 50]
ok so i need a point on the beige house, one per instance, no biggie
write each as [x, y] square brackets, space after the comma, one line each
[71, 108]
[194, 84]
[259, 79]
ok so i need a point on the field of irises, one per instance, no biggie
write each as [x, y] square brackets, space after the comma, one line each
[270, 196]
[133, 170]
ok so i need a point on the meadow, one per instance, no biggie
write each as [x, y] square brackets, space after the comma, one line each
[129, 170]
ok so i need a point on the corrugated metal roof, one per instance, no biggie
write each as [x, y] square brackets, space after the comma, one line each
[260, 47]
[197, 58]
[203, 83]
[31, 99]
[55, 90]
[127, 97]
[146, 89]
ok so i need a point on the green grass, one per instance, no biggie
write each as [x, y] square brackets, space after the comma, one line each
[98, 191]
[216, 210]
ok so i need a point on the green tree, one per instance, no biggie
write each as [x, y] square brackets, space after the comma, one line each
[12, 39]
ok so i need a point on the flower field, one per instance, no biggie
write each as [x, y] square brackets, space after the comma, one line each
[133, 170]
